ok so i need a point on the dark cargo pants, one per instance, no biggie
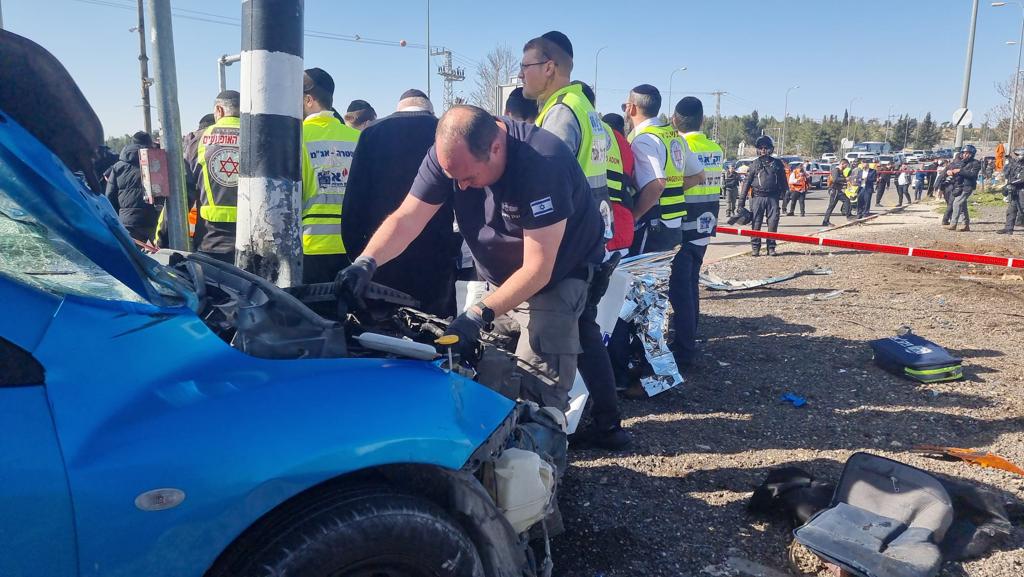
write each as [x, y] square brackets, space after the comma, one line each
[684, 295]
[549, 338]
[764, 207]
[1015, 210]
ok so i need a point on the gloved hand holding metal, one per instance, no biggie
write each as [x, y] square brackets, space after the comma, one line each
[467, 327]
[351, 282]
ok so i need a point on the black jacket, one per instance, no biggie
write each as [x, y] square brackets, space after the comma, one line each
[126, 195]
[386, 160]
[967, 178]
[1014, 172]
[838, 179]
[766, 177]
[731, 181]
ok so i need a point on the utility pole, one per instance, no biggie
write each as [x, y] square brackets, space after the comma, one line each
[170, 120]
[450, 74]
[888, 121]
[1, 16]
[147, 121]
[967, 72]
[428, 49]
[718, 114]
[268, 241]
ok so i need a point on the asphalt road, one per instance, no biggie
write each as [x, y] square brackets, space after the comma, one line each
[817, 201]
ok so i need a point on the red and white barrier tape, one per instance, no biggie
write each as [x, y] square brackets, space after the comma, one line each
[874, 247]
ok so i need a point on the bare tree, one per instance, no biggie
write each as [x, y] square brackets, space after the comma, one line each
[1000, 114]
[497, 67]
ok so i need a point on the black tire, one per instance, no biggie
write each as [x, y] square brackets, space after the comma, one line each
[368, 532]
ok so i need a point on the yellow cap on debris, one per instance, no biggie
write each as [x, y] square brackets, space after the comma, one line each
[447, 340]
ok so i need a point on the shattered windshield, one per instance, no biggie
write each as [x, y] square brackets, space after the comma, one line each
[31, 254]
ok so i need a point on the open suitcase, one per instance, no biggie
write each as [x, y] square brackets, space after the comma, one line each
[886, 519]
[917, 358]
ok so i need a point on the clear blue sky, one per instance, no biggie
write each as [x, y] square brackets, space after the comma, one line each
[905, 53]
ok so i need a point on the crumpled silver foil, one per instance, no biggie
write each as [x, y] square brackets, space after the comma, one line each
[646, 306]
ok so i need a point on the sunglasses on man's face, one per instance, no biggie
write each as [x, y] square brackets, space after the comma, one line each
[625, 105]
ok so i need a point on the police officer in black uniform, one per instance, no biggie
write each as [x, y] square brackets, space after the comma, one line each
[1014, 172]
[767, 183]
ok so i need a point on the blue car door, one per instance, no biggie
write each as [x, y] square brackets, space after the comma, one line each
[36, 523]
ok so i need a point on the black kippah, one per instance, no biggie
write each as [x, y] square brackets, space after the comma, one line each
[561, 40]
[690, 106]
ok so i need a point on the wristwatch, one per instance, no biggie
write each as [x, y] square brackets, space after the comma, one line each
[486, 312]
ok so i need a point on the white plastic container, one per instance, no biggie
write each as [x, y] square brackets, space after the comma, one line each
[525, 483]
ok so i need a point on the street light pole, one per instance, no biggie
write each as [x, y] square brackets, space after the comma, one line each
[670, 77]
[1016, 77]
[967, 72]
[596, 56]
[785, 119]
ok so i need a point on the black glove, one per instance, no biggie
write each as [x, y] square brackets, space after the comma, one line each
[467, 327]
[350, 284]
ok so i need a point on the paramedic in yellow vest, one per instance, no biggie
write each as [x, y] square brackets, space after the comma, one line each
[566, 112]
[699, 224]
[218, 160]
[663, 169]
[327, 149]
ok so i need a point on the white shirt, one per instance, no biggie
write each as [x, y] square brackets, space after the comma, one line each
[649, 156]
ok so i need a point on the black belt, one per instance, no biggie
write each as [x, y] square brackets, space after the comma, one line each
[583, 272]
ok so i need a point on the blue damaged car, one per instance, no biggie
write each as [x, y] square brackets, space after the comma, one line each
[191, 419]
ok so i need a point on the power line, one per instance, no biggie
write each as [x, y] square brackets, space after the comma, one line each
[211, 18]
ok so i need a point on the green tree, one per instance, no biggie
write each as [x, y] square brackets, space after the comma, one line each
[927, 133]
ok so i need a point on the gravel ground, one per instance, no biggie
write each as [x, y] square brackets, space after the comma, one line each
[676, 504]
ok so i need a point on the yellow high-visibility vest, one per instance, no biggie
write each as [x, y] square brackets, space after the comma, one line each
[327, 149]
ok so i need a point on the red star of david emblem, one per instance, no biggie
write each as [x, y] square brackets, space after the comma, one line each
[228, 167]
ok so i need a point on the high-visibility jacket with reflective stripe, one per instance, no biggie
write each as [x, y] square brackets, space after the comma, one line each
[616, 176]
[327, 149]
[672, 201]
[219, 160]
[594, 143]
[702, 202]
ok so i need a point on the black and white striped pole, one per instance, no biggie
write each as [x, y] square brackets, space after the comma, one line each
[268, 241]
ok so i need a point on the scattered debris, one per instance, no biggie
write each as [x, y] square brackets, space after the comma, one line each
[1014, 277]
[984, 459]
[716, 283]
[749, 568]
[797, 400]
[827, 296]
[646, 307]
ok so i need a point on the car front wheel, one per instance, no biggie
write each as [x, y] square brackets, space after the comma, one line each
[362, 533]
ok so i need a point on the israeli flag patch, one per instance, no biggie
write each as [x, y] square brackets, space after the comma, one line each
[542, 206]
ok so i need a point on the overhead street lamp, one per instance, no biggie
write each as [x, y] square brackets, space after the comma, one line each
[596, 56]
[1016, 77]
[785, 118]
[670, 77]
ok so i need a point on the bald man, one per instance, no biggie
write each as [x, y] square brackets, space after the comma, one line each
[528, 216]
